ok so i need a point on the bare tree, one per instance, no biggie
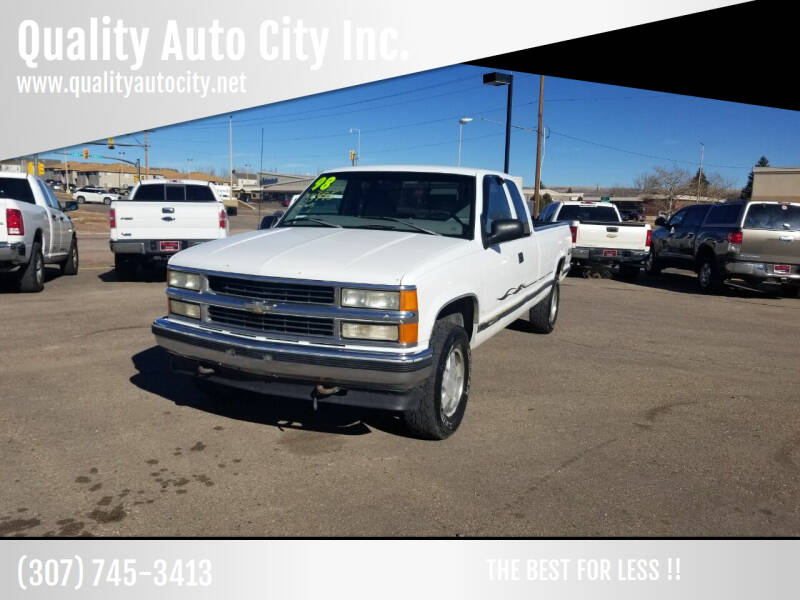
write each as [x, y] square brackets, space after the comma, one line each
[665, 184]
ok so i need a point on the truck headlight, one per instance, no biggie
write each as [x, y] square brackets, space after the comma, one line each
[184, 309]
[366, 331]
[187, 281]
[379, 299]
[370, 299]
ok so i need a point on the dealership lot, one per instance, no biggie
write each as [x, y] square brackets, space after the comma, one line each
[651, 410]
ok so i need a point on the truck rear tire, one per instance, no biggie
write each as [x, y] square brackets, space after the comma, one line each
[708, 276]
[544, 315]
[652, 266]
[443, 396]
[70, 265]
[124, 267]
[31, 277]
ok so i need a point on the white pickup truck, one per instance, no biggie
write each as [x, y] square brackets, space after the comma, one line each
[161, 218]
[599, 235]
[34, 230]
[371, 290]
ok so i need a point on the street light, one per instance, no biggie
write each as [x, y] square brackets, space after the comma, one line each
[188, 160]
[119, 175]
[496, 78]
[461, 122]
[358, 151]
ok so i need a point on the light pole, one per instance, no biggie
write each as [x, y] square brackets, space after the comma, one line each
[188, 160]
[496, 78]
[358, 146]
[119, 175]
[461, 122]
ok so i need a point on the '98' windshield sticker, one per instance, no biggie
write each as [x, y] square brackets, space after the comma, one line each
[323, 183]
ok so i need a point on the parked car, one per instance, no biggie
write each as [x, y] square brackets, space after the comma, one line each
[371, 290]
[96, 195]
[57, 186]
[162, 218]
[34, 230]
[752, 241]
[599, 237]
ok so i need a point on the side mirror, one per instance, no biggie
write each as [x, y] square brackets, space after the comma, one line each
[661, 222]
[70, 206]
[268, 222]
[504, 230]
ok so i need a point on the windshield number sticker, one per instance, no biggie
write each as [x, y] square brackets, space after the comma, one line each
[323, 183]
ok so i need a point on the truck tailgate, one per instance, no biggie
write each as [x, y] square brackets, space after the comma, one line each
[168, 220]
[771, 233]
[3, 227]
[622, 236]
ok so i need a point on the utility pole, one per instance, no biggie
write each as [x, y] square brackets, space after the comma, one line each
[700, 172]
[260, 167]
[230, 152]
[538, 147]
[146, 161]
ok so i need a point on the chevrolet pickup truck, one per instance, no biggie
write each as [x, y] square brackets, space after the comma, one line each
[372, 290]
[753, 241]
[34, 230]
[600, 237]
[161, 218]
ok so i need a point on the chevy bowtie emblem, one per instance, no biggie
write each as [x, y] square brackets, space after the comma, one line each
[259, 307]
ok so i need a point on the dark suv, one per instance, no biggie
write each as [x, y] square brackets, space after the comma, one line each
[749, 240]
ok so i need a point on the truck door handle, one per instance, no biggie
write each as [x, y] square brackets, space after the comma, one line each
[612, 229]
[167, 218]
[168, 209]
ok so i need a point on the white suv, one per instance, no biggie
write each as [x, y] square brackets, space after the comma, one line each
[94, 194]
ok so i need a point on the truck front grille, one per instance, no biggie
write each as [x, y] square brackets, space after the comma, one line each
[294, 293]
[271, 323]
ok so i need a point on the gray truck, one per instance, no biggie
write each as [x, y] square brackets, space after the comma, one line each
[756, 242]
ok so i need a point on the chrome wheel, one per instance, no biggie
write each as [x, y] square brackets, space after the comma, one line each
[452, 381]
[554, 304]
[705, 275]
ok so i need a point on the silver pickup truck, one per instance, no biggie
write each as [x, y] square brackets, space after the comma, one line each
[34, 230]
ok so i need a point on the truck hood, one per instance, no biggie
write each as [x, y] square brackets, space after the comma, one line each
[324, 254]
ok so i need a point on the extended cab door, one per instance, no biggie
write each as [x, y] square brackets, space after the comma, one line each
[61, 224]
[686, 234]
[507, 269]
[51, 236]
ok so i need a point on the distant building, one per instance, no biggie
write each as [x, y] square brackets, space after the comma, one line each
[776, 183]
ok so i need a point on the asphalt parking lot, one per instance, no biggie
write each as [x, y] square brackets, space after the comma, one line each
[652, 410]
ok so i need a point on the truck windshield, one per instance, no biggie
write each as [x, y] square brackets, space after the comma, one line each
[576, 212]
[16, 189]
[773, 216]
[427, 203]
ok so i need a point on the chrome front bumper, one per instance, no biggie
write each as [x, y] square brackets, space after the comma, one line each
[331, 366]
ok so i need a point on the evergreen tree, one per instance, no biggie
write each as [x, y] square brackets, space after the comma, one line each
[701, 176]
[747, 190]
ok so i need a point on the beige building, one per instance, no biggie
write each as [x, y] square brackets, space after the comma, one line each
[776, 183]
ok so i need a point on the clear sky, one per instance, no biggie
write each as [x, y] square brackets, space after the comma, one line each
[596, 134]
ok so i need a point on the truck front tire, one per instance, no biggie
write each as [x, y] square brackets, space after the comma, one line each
[31, 276]
[544, 315]
[70, 265]
[443, 396]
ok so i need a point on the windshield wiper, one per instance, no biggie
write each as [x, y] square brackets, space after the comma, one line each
[320, 221]
[396, 220]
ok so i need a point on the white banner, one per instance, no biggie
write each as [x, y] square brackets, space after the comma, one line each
[79, 71]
